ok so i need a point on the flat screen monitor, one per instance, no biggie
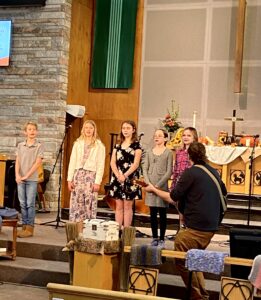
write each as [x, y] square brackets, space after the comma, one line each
[7, 3]
[244, 243]
[5, 42]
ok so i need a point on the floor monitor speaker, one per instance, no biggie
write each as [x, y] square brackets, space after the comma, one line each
[244, 243]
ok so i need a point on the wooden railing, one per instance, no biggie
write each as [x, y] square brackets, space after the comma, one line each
[182, 255]
[70, 292]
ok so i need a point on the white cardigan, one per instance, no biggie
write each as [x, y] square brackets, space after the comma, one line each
[95, 161]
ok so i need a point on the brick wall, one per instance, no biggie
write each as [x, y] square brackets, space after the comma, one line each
[34, 86]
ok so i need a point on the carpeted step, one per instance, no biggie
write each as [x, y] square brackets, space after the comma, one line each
[172, 286]
[22, 292]
[34, 271]
[38, 251]
[168, 286]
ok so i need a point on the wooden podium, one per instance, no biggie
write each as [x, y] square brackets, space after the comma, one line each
[96, 270]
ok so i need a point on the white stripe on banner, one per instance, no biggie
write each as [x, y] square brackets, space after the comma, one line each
[114, 44]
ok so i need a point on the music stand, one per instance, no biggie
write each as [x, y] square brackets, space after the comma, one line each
[251, 160]
[58, 157]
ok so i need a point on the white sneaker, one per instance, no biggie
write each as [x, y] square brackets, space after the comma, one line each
[154, 242]
[161, 244]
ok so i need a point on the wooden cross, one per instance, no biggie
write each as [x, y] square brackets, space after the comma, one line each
[239, 45]
[234, 119]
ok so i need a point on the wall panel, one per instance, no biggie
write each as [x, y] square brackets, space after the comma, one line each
[107, 107]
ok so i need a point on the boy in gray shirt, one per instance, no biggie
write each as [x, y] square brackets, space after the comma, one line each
[29, 157]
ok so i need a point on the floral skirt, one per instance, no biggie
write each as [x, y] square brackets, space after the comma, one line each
[83, 201]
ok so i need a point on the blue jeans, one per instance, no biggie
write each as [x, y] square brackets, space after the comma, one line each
[26, 194]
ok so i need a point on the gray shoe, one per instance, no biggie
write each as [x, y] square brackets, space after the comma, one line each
[161, 244]
[154, 242]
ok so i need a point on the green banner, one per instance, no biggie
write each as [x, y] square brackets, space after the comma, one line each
[114, 41]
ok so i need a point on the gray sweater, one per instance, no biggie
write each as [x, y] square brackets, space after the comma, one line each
[157, 170]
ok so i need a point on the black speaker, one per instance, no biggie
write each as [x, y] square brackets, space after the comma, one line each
[244, 243]
[7, 3]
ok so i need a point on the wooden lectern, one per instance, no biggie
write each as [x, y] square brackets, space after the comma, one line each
[4, 158]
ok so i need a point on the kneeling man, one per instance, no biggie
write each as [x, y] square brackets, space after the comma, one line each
[198, 199]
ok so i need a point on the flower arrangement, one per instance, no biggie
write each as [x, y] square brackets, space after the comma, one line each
[170, 122]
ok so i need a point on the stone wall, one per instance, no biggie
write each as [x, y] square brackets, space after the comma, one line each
[34, 86]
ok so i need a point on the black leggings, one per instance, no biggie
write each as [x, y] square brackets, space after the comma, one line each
[154, 221]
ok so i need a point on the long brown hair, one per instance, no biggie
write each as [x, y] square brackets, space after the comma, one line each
[194, 133]
[134, 137]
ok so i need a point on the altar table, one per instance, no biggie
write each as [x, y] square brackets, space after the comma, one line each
[232, 163]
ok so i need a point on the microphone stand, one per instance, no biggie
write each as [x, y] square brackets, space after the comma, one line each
[58, 157]
[113, 136]
[251, 160]
[139, 234]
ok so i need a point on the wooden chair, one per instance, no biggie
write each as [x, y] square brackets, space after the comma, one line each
[10, 251]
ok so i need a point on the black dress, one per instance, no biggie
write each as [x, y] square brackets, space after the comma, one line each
[124, 159]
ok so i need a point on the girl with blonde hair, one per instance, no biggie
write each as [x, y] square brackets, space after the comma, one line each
[85, 172]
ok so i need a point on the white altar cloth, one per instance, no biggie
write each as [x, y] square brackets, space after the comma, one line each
[223, 155]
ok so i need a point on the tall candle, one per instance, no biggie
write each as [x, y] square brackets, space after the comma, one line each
[194, 119]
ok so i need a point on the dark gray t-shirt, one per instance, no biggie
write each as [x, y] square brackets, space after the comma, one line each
[198, 198]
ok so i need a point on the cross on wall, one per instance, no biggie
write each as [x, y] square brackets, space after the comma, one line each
[239, 45]
[234, 119]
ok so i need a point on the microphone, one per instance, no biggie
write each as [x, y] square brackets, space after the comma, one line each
[256, 136]
[140, 136]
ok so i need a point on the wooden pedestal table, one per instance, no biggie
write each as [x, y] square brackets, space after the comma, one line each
[96, 270]
[10, 251]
